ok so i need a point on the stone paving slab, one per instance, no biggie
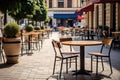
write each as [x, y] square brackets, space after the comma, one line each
[39, 66]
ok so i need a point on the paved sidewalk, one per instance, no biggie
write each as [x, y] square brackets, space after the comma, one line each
[38, 66]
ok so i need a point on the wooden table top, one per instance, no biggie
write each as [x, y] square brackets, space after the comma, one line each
[117, 33]
[82, 43]
[30, 33]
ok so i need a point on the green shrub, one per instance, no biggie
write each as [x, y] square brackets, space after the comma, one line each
[118, 28]
[42, 27]
[37, 28]
[29, 28]
[45, 27]
[79, 26]
[106, 28]
[11, 30]
[101, 27]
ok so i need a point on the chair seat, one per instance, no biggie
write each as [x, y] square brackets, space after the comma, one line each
[98, 54]
[71, 52]
[103, 53]
[67, 56]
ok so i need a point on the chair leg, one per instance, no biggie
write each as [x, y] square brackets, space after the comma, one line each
[70, 63]
[3, 57]
[102, 64]
[61, 68]
[76, 66]
[110, 65]
[21, 44]
[91, 63]
[67, 66]
[76, 63]
[39, 45]
[96, 65]
[54, 66]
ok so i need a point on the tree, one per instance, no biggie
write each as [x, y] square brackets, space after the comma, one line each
[20, 9]
[25, 9]
[6, 6]
[40, 13]
[43, 9]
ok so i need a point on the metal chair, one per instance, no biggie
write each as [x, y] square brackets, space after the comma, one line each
[1, 51]
[108, 43]
[62, 39]
[62, 56]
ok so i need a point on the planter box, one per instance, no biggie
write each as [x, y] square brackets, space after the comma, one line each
[12, 47]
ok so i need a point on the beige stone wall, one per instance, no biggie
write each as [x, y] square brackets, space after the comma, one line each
[79, 3]
[65, 3]
[95, 17]
[90, 19]
[108, 15]
[117, 15]
[55, 4]
[87, 19]
[47, 3]
[74, 3]
[100, 14]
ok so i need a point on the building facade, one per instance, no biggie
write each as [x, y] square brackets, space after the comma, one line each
[62, 12]
[101, 12]
[9, 19]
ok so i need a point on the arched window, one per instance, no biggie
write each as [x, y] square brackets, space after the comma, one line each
[50, 3]
[60, 3]
[69, 3]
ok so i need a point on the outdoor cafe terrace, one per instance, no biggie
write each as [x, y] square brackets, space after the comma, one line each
[37, 61]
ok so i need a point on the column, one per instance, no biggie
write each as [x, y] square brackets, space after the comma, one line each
[65, 3]
[55, 3]
[117, 16]
[74, 3]
[47, 3]
[79, 3]
[108, 15]
[101, 15]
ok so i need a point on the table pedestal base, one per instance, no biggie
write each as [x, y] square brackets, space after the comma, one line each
[83, 72]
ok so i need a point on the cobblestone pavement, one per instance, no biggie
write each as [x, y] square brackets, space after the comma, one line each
[39, 65]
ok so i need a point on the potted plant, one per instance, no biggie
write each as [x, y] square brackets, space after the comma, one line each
[42, 27]
[29, 28]
[45, 27]
[103, 28]
[11, 43]
[37, 28]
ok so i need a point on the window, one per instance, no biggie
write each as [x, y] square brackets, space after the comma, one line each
[50, 3]
[69, 3]
[60, 3]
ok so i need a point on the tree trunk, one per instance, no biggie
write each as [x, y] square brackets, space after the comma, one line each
[40, 23]
[17, 21]
[36, 23]
[5, 17]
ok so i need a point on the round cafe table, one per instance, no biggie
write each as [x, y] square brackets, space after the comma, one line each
[116, 33]
[82, 45]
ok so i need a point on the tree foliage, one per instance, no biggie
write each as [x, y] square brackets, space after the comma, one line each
[20, 9]
[6, 6]
[25, 8]
[40, 11]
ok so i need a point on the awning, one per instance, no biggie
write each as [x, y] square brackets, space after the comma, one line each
[65, 16]
[105, 1]
[80, 17]
[90, 7]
